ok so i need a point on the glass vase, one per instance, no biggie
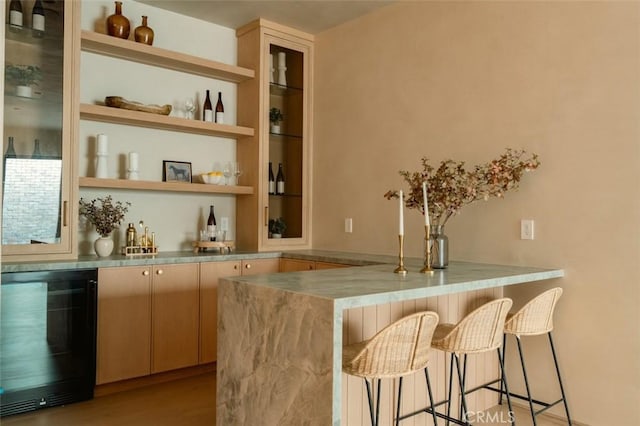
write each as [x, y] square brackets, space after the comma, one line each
[118, 24]
[143, 33]
[439, 243]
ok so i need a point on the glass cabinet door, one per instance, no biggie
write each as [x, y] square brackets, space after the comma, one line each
[288, 143]
[36, 130]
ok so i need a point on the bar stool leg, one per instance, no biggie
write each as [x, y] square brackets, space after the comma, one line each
[370, 398]
[506, 388]
[433, 410]
[399, 399]
[450, 386]
[463, 401]
[555, 361]
[526, 380]
[504, 351]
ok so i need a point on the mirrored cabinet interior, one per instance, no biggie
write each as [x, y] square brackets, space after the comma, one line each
[37, 179]
[282, 116]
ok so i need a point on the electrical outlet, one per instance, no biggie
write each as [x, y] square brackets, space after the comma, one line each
[348, 225]
[224, 224]
[526, 229]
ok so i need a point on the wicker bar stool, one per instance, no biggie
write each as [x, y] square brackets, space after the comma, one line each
[399, 349]
[536, 318]
[480, 331]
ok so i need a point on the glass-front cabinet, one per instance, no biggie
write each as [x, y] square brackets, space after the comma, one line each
[283, 116]
[38, 130]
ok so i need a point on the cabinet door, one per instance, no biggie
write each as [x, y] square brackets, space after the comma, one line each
[284, 139]
[260, 266]
[175, 316]
[210, 273]
[40, 76]
[329, 265]
[124, 323]
[291, 265]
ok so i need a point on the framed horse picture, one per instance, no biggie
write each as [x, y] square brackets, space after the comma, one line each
[176, 171]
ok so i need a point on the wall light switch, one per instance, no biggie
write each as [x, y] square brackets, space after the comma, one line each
[526, 229]
[348, 225]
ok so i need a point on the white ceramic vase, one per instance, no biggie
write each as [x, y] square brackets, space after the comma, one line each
[24, 91]
[103, 246]
[275, 128]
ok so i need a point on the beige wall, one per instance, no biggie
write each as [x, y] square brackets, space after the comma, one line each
[463, 81]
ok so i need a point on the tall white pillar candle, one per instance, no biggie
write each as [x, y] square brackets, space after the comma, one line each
[133, 161]
[103, 146]
[132, 171]
[401, 214]
[426, 204]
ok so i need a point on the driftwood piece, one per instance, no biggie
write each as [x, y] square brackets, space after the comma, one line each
[119, 102]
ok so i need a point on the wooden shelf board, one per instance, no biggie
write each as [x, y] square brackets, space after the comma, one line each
[89, 182]
[142, 53]
[165, 122]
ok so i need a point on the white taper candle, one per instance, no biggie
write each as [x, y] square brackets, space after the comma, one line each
[426, 204]
[401, 225]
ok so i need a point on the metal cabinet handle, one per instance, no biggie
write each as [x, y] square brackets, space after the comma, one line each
[145, 273]
[248, 266]
[159, 272]
[235, 267]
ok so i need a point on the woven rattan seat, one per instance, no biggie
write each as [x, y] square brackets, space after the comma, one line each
[399, 349]
[536, 318]
[478, 332]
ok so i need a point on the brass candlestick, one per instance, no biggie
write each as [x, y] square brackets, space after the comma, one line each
[427, 252]
[400, 269]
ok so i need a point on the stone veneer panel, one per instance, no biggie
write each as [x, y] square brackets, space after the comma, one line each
[275, 357]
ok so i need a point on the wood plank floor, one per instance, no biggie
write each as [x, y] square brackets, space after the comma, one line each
[183, 402]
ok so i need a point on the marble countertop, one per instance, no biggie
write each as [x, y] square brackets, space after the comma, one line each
[375, 283]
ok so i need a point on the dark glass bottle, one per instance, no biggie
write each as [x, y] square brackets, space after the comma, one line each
[272, 181]
[11, 151]
[280, 180]
[219, 109]
[15, 13]
[207, 111]
[37, 19]
[211, 225]
[36, 149]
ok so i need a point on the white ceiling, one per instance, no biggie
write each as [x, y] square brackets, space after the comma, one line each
[312, 16]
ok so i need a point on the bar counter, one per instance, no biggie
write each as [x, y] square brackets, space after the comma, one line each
[280, 336]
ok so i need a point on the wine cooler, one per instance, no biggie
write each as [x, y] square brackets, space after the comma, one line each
[47, 339]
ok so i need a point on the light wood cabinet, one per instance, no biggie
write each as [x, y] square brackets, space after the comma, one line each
[175, 316]
[44, 181]
[210, 273]
[148, 320]
[124, 323]
[292, 265]
[260, 43]
[260, 266]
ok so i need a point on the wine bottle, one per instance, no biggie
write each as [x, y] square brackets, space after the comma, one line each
[219, 109]
[211, 225]
[272, 181]
[15, 13]
[36, 149]
[280, 180]
[207, 114]
[11, 151]
[37, 19]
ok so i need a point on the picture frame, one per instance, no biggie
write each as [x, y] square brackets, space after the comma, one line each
[176, 171]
